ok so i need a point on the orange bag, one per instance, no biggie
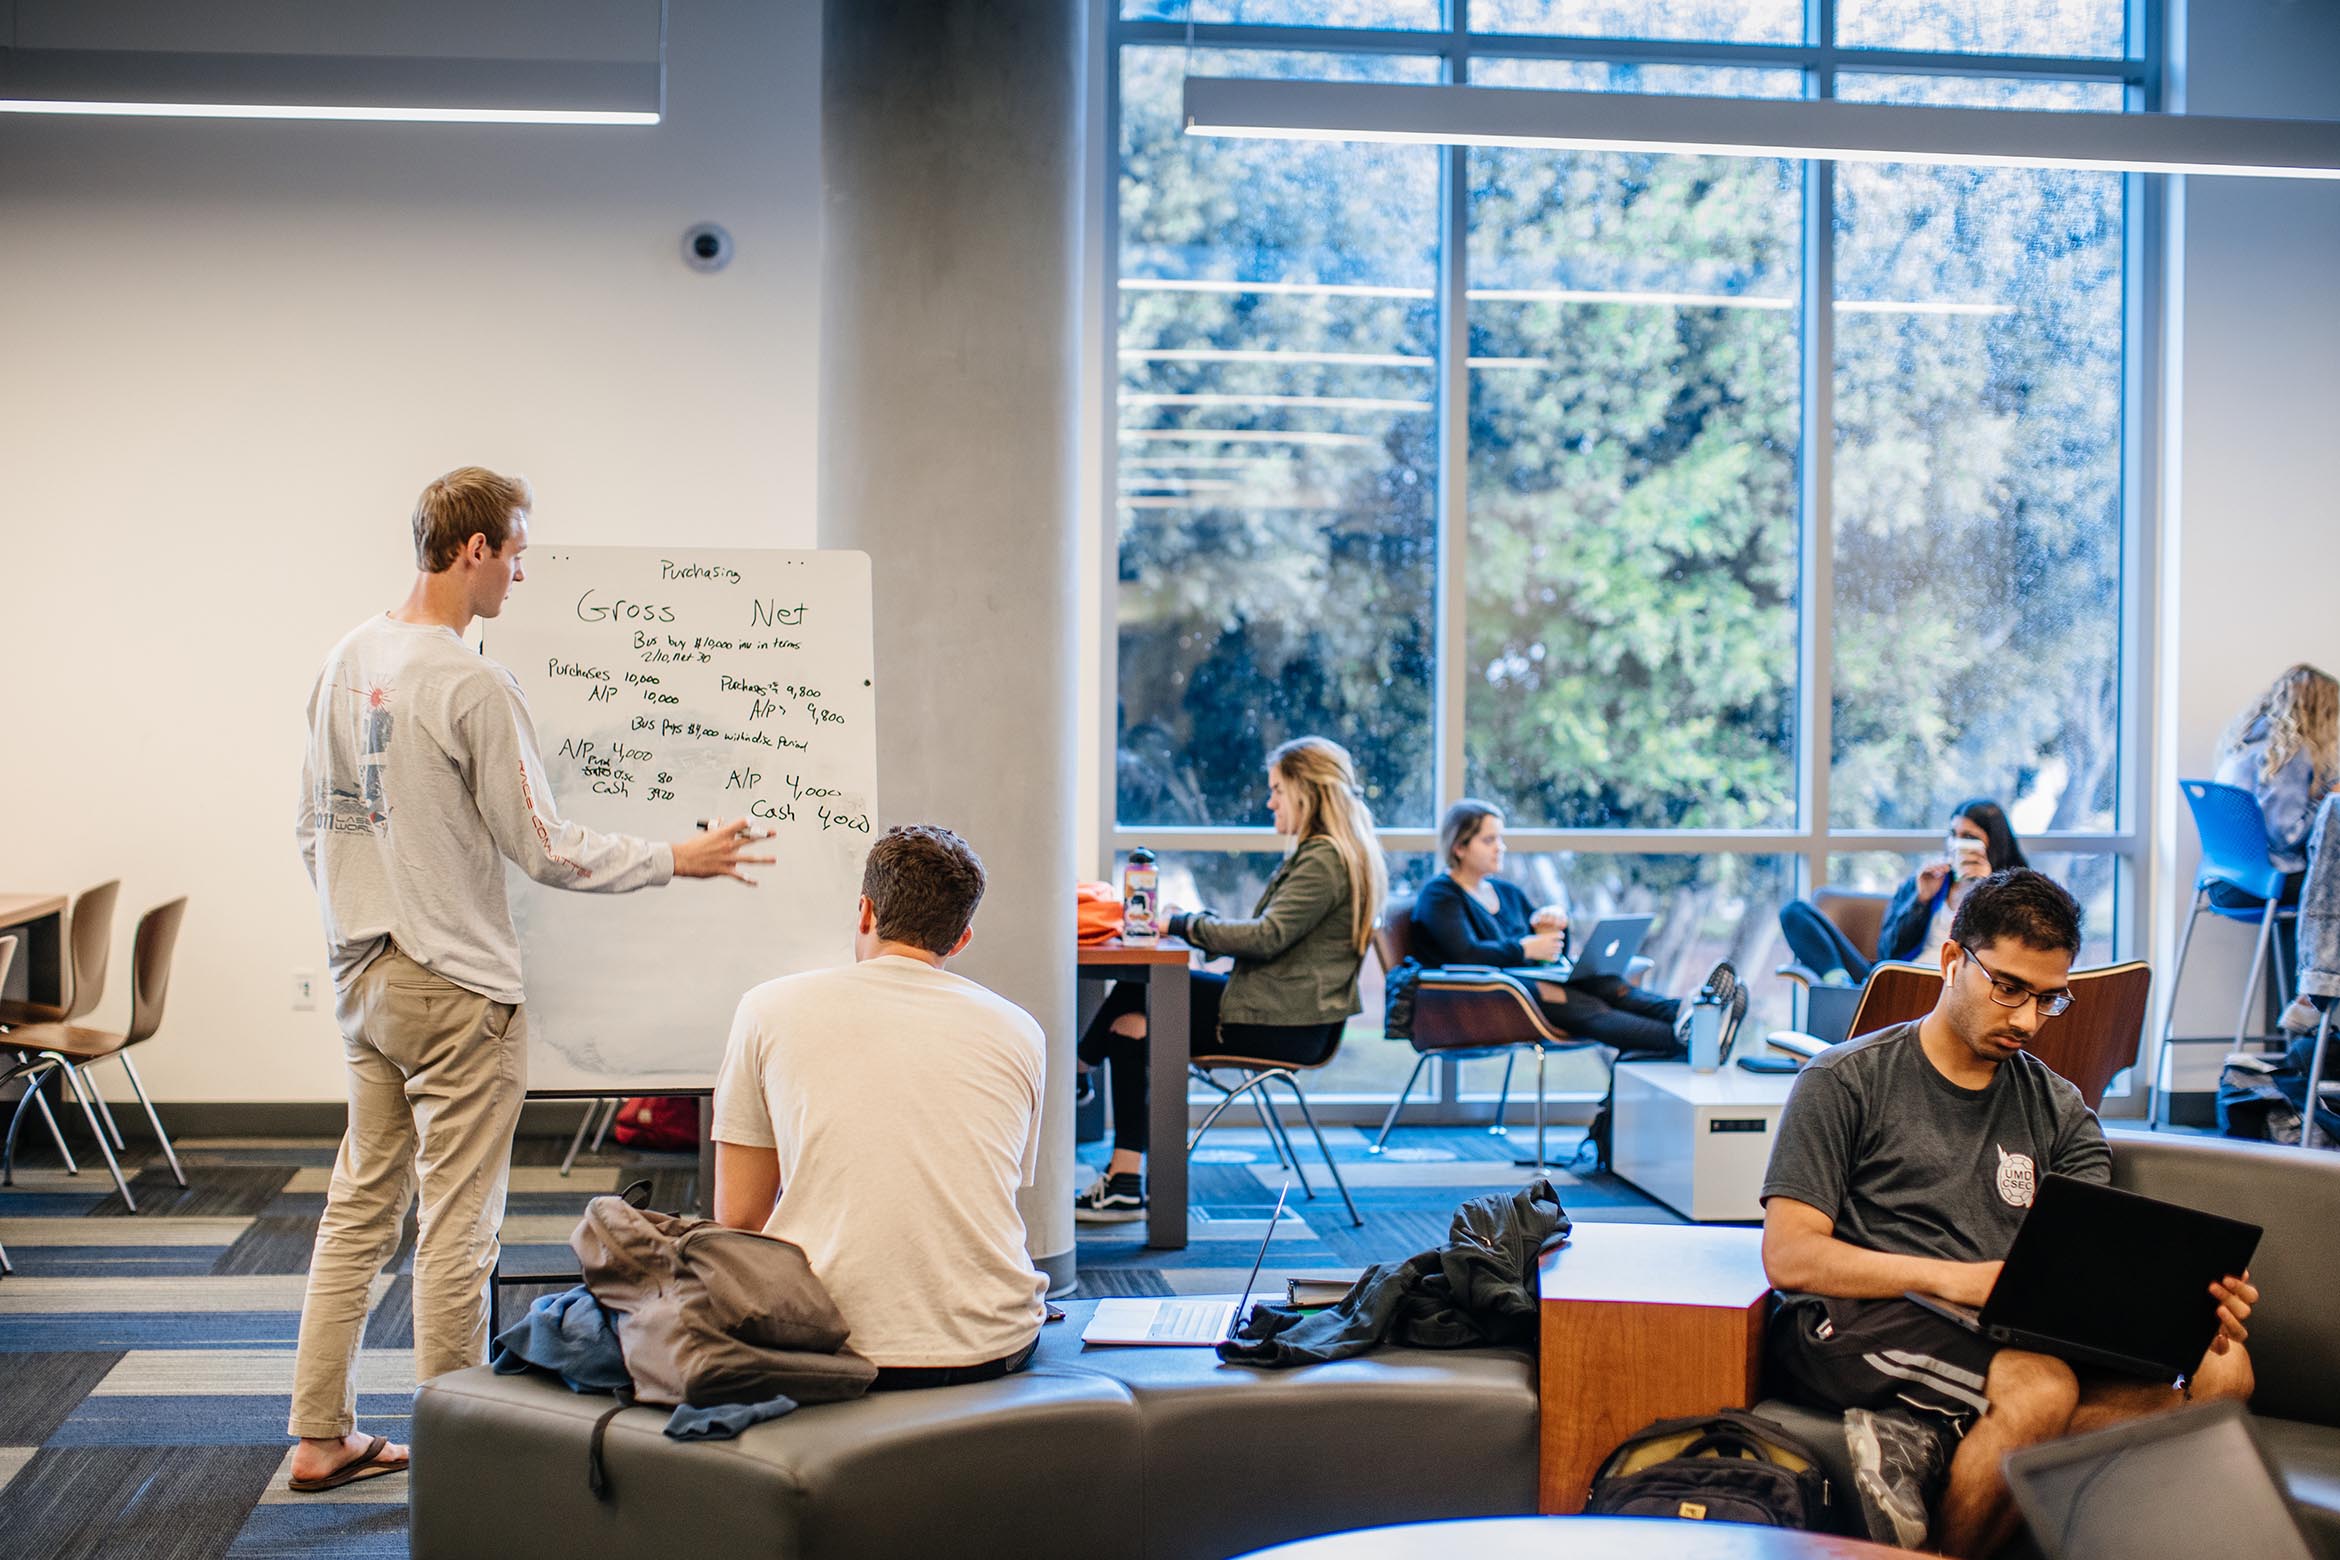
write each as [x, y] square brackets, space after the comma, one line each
[1097, 912]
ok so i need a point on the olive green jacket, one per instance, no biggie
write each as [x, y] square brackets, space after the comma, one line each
[1295, 962]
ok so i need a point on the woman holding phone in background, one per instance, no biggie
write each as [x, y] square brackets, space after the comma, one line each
[1917, 922]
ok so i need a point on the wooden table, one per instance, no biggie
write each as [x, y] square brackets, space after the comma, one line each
[1161, 965]
[1578, 1538]
[1641, 1322]
[37, 922]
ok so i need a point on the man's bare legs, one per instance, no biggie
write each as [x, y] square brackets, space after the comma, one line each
[2032, 1398]
[2035, 1398]
[2115, 1401]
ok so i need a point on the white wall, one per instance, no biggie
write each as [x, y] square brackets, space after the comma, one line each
[2255, 533]
[231, 354]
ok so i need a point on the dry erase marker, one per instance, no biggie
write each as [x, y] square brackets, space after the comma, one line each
[708, 823]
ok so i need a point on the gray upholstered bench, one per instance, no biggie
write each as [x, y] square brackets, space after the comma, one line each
[1163, 1454]
[2295, 1333]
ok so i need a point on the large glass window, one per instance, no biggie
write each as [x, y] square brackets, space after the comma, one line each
[1633, 352]
[1625, 484]
[1278, 486]
[1978, 480]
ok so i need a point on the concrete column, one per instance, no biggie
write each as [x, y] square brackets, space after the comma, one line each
[950, 156]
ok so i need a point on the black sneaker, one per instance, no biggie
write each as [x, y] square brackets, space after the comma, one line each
[1733, 1016]
[1898, 1466]
[1722, 984]
[1111, 1199]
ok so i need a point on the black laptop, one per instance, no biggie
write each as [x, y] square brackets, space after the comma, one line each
[2192, 1482]
[2103, 1277]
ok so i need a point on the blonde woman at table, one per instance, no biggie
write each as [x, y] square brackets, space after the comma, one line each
[1294, 984]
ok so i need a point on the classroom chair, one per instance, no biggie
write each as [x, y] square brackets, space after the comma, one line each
[1470, 1013]
[74, 1050]
[2088, 1043]
[89, 940]
[2233, 832]
[1259, 1073]
[1859, 913]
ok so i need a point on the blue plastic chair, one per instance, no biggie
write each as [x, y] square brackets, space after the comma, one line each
[2234, 851]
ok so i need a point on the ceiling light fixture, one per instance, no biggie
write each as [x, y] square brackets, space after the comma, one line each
[141, 84]
[1824, 130]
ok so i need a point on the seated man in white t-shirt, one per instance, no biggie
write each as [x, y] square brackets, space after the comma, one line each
[882, 1116]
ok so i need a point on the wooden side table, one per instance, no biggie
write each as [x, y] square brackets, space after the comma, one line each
[1641, 1322]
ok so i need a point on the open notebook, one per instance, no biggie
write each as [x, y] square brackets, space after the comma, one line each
[1175, 1322]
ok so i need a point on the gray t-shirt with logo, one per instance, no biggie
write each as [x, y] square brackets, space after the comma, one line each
[1907, 1162]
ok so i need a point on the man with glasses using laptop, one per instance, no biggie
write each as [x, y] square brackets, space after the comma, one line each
[1905, 1160]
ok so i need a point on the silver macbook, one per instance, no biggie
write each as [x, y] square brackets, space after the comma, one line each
[1176, 1322]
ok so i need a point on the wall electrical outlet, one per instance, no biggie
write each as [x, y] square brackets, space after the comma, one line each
[304, 990]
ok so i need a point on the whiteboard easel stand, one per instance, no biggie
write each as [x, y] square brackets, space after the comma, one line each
[498, 1282]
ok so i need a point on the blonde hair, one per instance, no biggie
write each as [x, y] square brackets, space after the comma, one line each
[1327, 801]
[2302, 712]
[468, 501]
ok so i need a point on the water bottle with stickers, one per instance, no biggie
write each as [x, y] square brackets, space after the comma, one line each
[1139, 884]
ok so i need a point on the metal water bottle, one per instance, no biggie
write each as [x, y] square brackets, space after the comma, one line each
[1706, 1016]
[1139, 881]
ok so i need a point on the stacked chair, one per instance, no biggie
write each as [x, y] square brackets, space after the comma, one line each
[61, 1046]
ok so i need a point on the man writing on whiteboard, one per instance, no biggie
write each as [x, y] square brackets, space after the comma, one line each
[421, 778]
[881, 1117]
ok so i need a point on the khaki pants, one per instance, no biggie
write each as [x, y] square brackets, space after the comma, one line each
[436, 1075]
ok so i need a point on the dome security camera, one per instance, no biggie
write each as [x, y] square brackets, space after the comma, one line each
[706, 247]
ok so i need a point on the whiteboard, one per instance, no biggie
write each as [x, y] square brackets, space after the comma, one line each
[670, 685]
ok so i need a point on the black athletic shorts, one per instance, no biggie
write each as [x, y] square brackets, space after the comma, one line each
[1837, 1354]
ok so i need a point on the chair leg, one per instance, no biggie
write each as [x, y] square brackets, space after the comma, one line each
[1227, 1097]
[105, 1150]
[34, 1074]
[40, 1101]
[1265, 1100]
[609, 1113]
[105, 1111]
[2242, 1019]
[1274, 1130]
[2169, 1020]
[577, 1143]
[2307, 1117]
[1390, 1120]
[1541, 1161]
[6, 1267]
[1503, 1096]
[138, 1087]
[1356, 1219]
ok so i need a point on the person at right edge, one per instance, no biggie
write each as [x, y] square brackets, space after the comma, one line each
[1905, 1160]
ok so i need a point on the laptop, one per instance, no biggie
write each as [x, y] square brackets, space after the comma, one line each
[2103, 1277]
[1612, 945]
[1176, 1322]
[2192, 1482]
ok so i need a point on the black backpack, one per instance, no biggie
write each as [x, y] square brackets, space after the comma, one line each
[1726, 1467]
[1397, 987]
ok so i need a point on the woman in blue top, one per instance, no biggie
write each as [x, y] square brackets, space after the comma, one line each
[1468, 915]
[1917, 922]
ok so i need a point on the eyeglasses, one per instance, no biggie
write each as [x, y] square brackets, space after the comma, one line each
[2012, 994]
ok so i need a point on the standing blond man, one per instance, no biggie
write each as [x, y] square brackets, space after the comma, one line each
[422, 778]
